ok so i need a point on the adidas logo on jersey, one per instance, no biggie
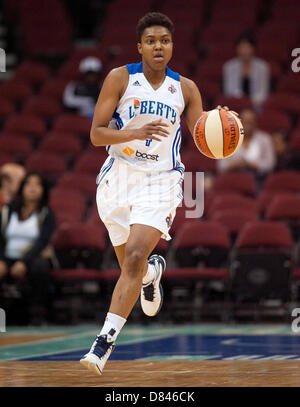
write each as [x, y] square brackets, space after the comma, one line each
[136, 83]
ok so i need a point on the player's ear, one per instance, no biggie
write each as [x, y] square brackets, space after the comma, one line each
[139, 47]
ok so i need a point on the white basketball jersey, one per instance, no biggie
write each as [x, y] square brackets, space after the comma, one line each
[140, 105]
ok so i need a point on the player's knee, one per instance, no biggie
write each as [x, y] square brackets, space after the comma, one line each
[134, 261]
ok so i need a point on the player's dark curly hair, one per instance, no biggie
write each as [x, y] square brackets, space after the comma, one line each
[151, 19]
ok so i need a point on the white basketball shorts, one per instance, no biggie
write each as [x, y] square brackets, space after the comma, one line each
[126, 196]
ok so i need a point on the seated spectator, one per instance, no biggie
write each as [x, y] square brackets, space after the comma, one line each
[247, 75]
[287, 157]
[11, 175]
[257, 152]
[27, 225]
[81, 96]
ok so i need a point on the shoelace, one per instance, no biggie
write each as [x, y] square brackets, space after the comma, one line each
[149, 292]
[101, 346]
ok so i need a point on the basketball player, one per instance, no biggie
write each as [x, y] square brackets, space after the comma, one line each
[137, 118]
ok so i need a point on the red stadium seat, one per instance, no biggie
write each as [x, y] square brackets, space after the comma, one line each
[274, 31]
[48, 164]
[204, 242]
[79, 244]
[31, 125]
[15, 144]
[54, 88]
[91, 162]
[287, 102]
[273, 51]
[231, 202]
[235, 104]
[263, 234]
[234, 219]
[6, 158]
[43, 106]
[16, 91]
[33, 73]
[85, 183]
[295, 141]
[266, 197]
[261, 262]
[283, 180]
[287, 209]
[195, 161]
[274, 120]
[241, 182]
[73, 123]
[65, 144]
[225, 32]
[290, 83]
[6, 108]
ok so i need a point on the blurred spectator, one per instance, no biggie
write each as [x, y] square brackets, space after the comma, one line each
[11, 175]
[257, 152]
[247, 75]
[81, 96]
[287, 157]
[26, 257]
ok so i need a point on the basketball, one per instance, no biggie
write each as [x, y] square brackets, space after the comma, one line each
[218, 133]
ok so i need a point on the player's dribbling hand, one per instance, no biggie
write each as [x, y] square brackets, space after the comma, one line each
[227, 109]
[152, 130]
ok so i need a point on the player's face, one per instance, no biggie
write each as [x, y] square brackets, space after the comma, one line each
[156, 47]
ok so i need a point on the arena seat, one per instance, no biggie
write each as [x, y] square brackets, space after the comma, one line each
[49, 164]
[266, 197]
[15, 144]
[27, 124]
[203, 243]
[231, 201]
[195, 161]
[241, 182]
[261, 262]
[7, 108]
[85, 183]
[234, 219]
[6, 158]
[283, 180]
[54, 88]
[287, 209]
[271, 120]
[290, 83]
[33, 73]
[285, 101]
[43, 106]
[73, 123]
[15, 91]
[91, 162]
[66, 145]
[235, 104]
[79, 244]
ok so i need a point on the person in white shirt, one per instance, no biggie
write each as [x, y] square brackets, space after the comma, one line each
[257, 153]
[247, 75]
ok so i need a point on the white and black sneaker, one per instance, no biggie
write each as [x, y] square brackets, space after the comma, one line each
[152, 293]
[100, 351]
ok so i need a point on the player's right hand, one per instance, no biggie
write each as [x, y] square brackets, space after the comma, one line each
[151, 131]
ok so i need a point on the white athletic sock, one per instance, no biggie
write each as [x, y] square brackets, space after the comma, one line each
[112, 326]
[150, 275]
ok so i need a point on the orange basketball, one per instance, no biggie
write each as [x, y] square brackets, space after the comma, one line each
[218, 133]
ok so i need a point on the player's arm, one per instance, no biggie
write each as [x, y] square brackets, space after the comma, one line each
[111, 92]
[193, 102]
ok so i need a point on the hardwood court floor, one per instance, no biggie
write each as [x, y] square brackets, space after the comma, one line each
[152, 374]
[212, 355]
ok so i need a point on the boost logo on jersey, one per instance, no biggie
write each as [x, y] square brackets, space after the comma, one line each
[140, 156]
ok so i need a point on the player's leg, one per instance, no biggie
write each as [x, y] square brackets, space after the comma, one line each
[142, 240]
